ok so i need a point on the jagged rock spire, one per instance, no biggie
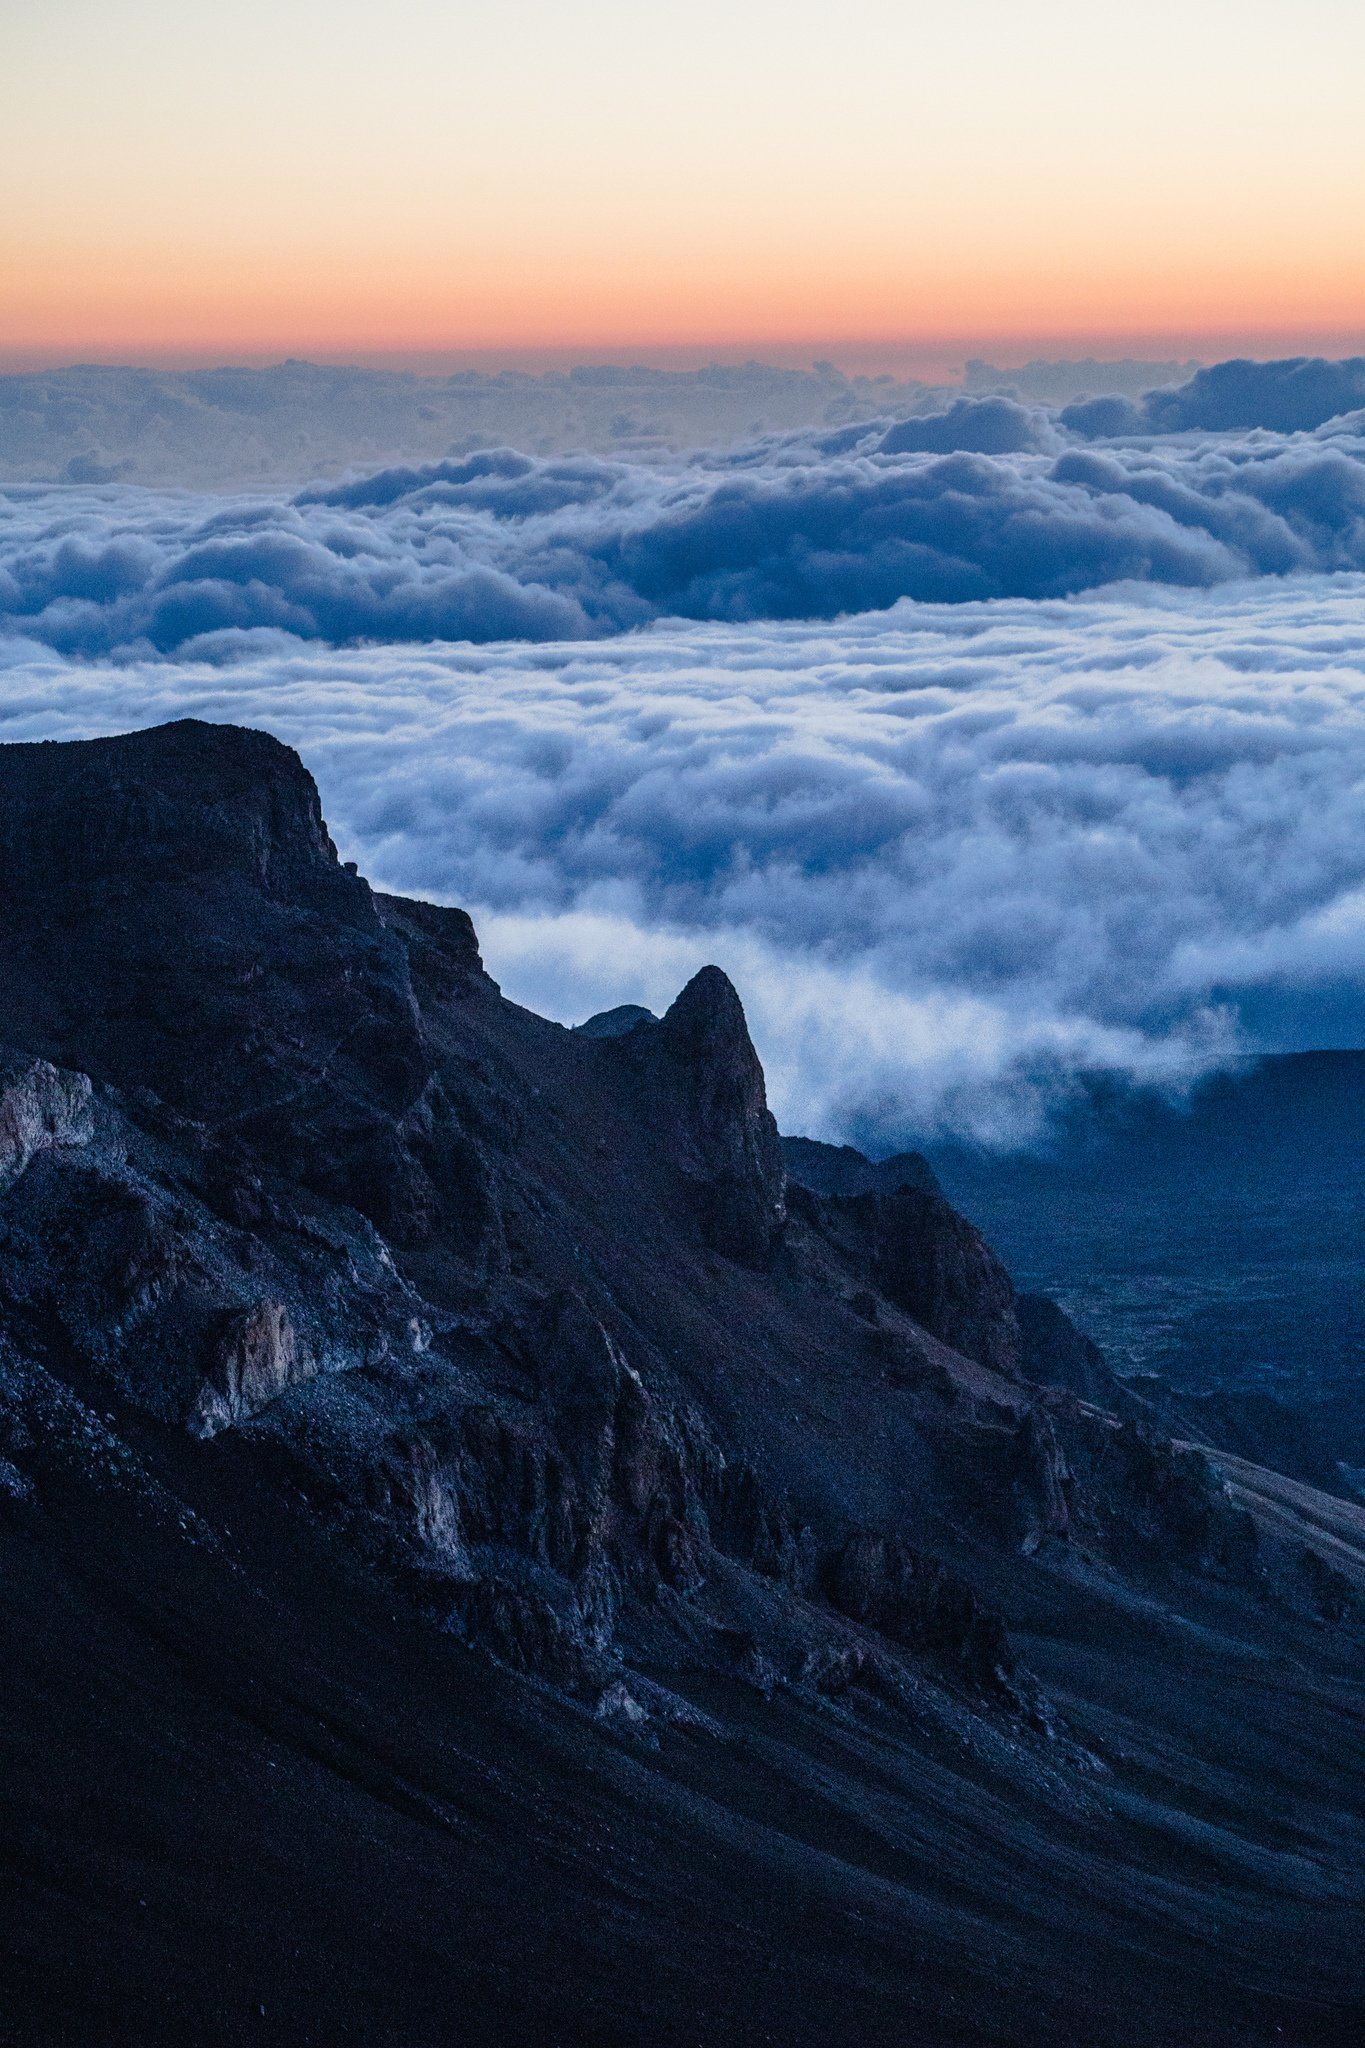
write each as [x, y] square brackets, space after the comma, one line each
[741, 1170]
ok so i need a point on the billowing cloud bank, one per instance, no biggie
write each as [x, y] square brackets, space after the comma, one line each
[988, 498]
[949, 852]
[1292, 396]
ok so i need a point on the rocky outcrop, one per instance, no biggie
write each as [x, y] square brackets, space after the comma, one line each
[748, 1521]
[441, 945]
[1055, 1353]
[842, 1170]
[1150, 1502]
[937, 1266]
[739, 1172]
[99, 822]
[915, 1600]
[917, 1253]
[40, 1108]
[211, 948]
[257, 1357]
[617, 1022]
[1042, 1481]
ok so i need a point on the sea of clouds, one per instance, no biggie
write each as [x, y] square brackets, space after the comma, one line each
[980, 748]
[989, 498]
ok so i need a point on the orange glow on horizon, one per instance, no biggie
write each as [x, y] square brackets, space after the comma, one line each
[199, 312]
[588, 178]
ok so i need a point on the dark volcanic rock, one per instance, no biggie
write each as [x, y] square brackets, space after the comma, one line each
[1152, 1502]
[740, 1174]
[442, 950]
[1054, 1352]
[616, 1023]
[1044, 1482]
[916, 1600]
[935, 1265]
[176, 920]
[39, 1108]
[471, 1535]
[841, 1170]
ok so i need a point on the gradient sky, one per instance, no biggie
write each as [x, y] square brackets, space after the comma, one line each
[342, 176]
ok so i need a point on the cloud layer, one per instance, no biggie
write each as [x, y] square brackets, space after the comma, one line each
[1292, 396]
[830, 707]
[988, 499]
[949, 853]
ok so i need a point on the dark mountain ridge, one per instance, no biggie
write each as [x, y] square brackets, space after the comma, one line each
[488, 1555]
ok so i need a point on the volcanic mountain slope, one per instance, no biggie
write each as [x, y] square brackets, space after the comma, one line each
[487, 1557]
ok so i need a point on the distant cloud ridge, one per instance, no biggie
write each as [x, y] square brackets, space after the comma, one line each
[970, 426]
[1247, 470]
[1292, 396]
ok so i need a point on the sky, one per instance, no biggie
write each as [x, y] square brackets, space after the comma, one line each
[885, 181]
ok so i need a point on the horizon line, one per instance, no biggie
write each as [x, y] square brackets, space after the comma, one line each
[925, 360]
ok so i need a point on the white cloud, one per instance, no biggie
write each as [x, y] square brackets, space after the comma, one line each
[949, 853]
[498, 545]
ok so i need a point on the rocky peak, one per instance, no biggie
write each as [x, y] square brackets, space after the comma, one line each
[738, 1152]
[175, 920]
[179, 801]
[706, 1022]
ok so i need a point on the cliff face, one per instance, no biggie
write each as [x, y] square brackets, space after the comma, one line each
[353, 1320]
[176, 920]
